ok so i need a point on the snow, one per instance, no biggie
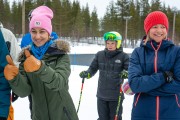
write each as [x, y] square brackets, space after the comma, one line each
[89, 49]
[88, 105]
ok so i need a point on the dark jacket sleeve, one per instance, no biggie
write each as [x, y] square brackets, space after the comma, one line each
[173, 87]
[93, 68]
[56, 78]
[140, 82]
[126, 61]
[20, 84]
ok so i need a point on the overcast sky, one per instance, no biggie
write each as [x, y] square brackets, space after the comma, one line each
[101, 5]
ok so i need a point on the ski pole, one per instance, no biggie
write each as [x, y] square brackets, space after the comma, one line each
[119, 100]
[80, 94]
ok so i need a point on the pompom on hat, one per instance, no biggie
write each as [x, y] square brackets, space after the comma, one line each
[154, 18]
[41, 17]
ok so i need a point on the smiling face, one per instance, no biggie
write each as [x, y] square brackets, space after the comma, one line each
[158, 32]
[39, 36]
[111, 45]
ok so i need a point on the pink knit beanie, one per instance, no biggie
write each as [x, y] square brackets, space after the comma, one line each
[154, 18]
[41, 17]
[42, 10]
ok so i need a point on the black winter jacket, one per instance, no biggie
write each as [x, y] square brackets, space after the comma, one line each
[110, 64]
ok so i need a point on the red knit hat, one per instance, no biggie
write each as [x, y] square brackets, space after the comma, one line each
[154, 18]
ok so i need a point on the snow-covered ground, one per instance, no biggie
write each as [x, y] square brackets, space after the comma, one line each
[83, 48]
[88, 106]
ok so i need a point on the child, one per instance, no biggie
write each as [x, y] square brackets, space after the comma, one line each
[110, 63]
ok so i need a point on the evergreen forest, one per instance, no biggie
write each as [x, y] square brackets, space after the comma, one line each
[76, 22]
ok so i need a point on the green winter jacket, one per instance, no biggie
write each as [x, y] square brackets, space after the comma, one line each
[48, 86]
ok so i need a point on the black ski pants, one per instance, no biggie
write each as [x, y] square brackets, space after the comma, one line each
[107, 109]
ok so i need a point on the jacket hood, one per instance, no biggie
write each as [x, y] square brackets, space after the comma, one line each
[58, 47]
[61, 45]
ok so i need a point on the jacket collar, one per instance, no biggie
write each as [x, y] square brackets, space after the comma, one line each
[151, 44]
[58, 47]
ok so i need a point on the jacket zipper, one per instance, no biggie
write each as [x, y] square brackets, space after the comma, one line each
[137, 99]
[155, 70]
[177, 100]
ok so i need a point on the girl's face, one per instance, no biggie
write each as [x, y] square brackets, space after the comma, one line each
[39, 36]
[158, 32]
[111, 45]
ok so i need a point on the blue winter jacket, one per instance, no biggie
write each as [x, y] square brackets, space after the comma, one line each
[155, 99]
[4, 85]
[26, 40]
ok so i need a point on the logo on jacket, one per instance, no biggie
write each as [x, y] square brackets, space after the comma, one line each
[117, 61]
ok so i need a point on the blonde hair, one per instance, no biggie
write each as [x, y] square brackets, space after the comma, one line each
[148, 38]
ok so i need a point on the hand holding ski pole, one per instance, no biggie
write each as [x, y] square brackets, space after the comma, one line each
[124, 74]
[10, 70]
[31, 64]
[85, 74]
[125, 86]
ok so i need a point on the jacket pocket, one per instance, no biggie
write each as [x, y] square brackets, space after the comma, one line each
[66, 113]
[137, 99]
[177, 100]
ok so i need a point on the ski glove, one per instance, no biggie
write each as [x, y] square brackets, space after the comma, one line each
[31, 64]
[10, 70]
[85, 74]
[169, 77]
[124, 74]
[126, 88]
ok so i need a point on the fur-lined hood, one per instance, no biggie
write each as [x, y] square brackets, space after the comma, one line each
[58, 45]
[62, 45]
